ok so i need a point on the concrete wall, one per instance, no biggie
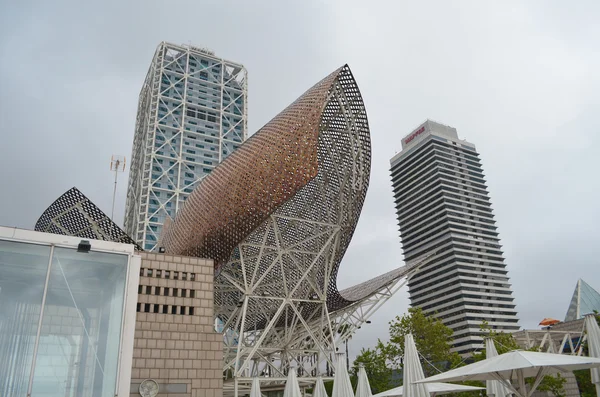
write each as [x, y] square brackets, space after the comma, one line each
[180, 351]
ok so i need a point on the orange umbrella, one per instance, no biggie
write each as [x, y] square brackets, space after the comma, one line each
[549, 321]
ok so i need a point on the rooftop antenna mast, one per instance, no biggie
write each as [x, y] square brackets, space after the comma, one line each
[117, 164]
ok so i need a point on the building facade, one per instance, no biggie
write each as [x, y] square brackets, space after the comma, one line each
[443, 207]
[176, 346]
[67, 317]
[191, 115]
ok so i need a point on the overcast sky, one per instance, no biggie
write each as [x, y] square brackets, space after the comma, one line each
[521, 80]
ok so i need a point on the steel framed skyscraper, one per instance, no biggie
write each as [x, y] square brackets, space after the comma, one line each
[192, 114]
[443, 206]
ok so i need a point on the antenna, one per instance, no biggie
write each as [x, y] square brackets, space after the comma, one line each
[117, 164]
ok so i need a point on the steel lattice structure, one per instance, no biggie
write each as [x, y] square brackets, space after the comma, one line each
[277, 216]
[191, 115]
[73, 214]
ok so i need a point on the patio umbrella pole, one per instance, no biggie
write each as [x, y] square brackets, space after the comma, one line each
[507, 384]
[522, 388]
[539, 378]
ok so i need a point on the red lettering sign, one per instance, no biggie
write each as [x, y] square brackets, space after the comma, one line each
[414, 134]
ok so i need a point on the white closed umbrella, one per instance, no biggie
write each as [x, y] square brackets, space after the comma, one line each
[432, 388]
[341, 380]
[494, 388]
[412, 370]
[363, 388]
[292, 389]
[319, 389]
[517, 365]
[593, 337]
[255, 390]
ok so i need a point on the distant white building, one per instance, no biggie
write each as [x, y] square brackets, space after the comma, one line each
[191, 116]
[443, 206]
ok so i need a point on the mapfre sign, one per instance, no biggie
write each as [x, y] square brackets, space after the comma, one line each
[414, 135]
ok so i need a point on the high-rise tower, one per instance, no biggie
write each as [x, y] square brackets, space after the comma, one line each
[192, 114]
[443, 206]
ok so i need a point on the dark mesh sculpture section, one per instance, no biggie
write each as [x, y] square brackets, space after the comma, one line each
[73, 214]
[244, 190]
[291, 195]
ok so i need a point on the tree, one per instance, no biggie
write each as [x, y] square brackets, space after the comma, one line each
[503, 341]
[432, 338]
[379, 374]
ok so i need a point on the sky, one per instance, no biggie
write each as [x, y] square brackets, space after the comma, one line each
[519, 79]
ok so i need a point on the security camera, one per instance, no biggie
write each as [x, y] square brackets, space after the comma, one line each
[84, 246]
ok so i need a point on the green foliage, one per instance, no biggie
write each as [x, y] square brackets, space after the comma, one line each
[553, 384]
[503, 341]
[584, 383]
[328, 387]
[431, 336]
[374, 360]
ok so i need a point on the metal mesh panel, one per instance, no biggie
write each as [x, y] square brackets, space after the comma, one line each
[73, 214]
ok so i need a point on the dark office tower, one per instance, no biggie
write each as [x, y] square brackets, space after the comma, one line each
[443, 206]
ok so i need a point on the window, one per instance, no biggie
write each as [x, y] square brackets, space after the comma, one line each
[183, 293]
[142, 271]
[167, 274]
[140, 289]
[173, 309]
[175, 292]
[139, 307]
[166, 291]
[192, 293]
[165, 309]
[184, 275]
[191, 311]
[147, 308]
[159, 273]
[175, 275]
[181, 309]
[156, 292]
[149, 272]
[155, 308]
[192, 276]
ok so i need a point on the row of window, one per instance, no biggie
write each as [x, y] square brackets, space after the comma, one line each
[167, 274]
[166, 291]
[164, 309]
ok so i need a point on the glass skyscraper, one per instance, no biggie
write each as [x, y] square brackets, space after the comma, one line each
[443, 206]
[191, 116]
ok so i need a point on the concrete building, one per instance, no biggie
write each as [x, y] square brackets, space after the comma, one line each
[443, 206]
[176, 346]
[168, 341]
[191, 116]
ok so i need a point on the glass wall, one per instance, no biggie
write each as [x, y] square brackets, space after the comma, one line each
[61, 317]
